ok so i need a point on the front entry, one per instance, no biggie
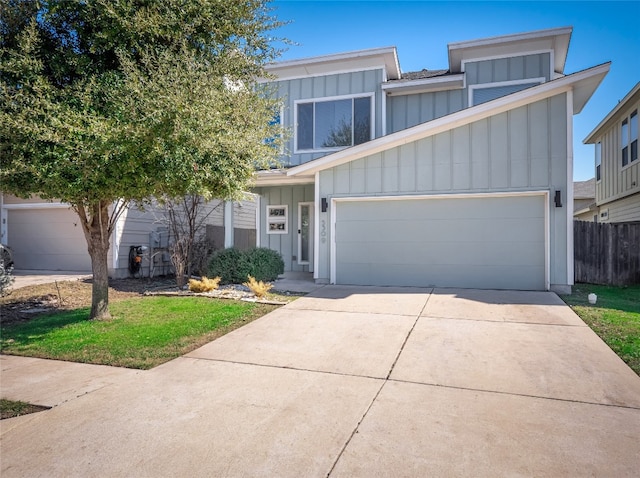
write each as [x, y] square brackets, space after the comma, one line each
[305, 234]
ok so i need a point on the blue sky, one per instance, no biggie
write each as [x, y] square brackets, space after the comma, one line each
[602, 32]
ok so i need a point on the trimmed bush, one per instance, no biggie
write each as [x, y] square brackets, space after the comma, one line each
[230, 265]
[265, 264]
[233, 265]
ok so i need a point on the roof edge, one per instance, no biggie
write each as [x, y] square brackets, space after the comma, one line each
[621, 104]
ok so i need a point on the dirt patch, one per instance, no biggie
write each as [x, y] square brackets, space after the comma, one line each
[27, 302]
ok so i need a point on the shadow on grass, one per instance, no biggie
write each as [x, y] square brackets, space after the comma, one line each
[23, 332]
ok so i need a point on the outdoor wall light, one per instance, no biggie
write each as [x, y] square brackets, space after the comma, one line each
[558, 199]
[324, 205]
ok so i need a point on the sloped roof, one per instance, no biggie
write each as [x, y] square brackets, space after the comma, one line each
[584, 189]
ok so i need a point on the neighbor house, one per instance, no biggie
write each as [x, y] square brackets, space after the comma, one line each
[46, 235]
[460, 177]
[616, 161]
[584, 200]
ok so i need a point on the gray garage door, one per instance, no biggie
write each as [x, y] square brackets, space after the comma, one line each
[480, 242]
[47, 239]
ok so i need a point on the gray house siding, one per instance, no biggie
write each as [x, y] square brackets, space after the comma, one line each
[286, 244]
[508, 69]
[323, 87]
[409, 110]
[521, 150]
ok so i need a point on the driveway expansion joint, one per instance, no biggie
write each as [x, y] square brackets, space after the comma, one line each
[285, 367]
[503, 321]
[501, 392]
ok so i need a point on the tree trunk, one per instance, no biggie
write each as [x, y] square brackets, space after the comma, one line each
[95, 219]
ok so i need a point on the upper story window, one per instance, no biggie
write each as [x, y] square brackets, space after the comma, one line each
[484, 92]
[333, 123]
[598, 160]
[629, 139]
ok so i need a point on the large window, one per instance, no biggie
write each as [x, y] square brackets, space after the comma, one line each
[629, 139]
[333, 124]
[598, 160]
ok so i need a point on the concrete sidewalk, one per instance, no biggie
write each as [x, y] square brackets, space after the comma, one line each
[355, 381]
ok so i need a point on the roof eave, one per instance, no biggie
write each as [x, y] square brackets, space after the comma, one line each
[591, 137]
[424, 85]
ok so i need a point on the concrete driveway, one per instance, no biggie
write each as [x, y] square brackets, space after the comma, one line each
[348, 381]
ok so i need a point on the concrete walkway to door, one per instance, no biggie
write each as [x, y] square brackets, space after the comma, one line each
[357, 381]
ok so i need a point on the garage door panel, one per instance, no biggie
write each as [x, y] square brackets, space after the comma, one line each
[47, 239]
[466, 242]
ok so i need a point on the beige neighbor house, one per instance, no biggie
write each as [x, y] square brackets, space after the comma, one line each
[584, 200]
[617, 165]
[457, 177]
[45, 235]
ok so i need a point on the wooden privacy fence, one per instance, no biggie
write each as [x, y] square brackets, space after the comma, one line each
[606, 253]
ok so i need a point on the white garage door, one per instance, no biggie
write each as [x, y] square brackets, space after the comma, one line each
[47, 239]
[487, 242]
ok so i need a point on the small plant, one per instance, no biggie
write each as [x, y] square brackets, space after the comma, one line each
[204, 285]
[259, 288]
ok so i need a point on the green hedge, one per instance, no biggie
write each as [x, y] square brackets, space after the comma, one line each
[234, 265]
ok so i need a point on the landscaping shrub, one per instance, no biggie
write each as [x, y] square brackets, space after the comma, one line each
[230, 265]
[233, 265]
[265, 264]
[259, 288]
[204, 285]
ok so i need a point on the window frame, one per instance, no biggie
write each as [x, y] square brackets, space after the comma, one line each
[632, 137]
[352, 97]
[279, 219]
[598, 160]
[497, 84]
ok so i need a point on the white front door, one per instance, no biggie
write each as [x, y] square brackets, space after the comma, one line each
[305, 234]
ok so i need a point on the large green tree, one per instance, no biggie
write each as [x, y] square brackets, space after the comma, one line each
[105, 102]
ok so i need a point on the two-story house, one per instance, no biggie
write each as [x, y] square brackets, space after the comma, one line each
[617, 166]
[453, 178]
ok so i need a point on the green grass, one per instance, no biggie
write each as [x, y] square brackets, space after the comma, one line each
[615, 317]
[143, 333]
[11, 408]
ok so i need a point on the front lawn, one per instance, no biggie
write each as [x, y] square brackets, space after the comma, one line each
[615, 317]
[143, 333]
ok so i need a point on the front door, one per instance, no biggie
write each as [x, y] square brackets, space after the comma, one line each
[305, 234]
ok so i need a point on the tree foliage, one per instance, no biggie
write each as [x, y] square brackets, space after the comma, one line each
[109, 101]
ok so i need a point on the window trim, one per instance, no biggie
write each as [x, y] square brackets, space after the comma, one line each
[481, 86]
[598, 161]
[279, 219]
[296, 150]
[627, 120]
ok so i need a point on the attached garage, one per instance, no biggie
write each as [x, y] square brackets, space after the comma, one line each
[47, 239]
[493, 241]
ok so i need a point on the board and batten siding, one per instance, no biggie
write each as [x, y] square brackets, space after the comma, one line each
[521, 150]
[617, 182]
[318, 87]
[508, 69]
[404, 111]
[286, 244]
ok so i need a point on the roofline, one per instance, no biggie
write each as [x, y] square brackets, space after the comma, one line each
[278, 177]
[511, 37]
[436, 83]
[454, 120]
[560, 56]
[393, 66]
[590, 139]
